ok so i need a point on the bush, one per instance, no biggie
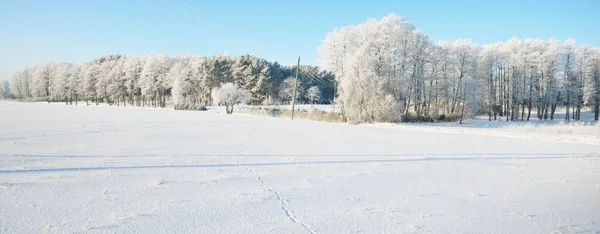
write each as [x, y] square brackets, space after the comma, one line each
[325, 116]
[34, 99]
[412, 118]
[190, 107]
[448, 117]
[316, 115]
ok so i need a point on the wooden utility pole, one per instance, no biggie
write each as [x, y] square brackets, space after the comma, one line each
[334, 90]
[295, 88]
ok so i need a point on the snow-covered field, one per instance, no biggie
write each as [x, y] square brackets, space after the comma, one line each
[106, 169]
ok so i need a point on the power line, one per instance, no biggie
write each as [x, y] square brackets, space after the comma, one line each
[319, 80]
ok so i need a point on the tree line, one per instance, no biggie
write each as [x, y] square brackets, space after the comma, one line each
[381, 70]
[387, 68]
[153, 79]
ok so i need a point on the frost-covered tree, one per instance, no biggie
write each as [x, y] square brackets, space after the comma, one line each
[595, 81]
[41, 79]
[5, 91]
[374, 62]
[178, 74]
[286, 90]
[229, 95]
[253, 74]
[186, 88]
[17, 85]
[570, 81]
[153, 80]
[107, 73]
[313, 94]
[117, 86]
[387, 68]
[465, 54]
[87, 88]
[585, 86]
[132, 69]
[59, 86]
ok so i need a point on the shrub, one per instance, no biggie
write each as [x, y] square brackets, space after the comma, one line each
[325, 116]
[412, 118]
[448, 117]
[316, 115]
[190, 107]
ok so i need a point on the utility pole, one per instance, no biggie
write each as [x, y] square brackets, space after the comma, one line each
[295, 88]
[334, 90]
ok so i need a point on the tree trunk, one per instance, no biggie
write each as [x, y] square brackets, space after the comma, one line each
[567, 116]
[457, 93]
[596, 107]
[492, 98]
[522, 111]
[506, 94]
[553, 108]
[529, 102]
[462, 109]
[228, 108]
[539, 110]
[500, 92]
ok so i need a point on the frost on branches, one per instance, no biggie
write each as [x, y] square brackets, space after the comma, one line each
[381, 71]
[387, 69]
[313, 94]
[155, 80]
[229, 95]
[286, 91]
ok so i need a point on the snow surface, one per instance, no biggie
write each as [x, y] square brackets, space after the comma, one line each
[105, 169]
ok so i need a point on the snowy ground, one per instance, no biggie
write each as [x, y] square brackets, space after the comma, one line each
[143, 170]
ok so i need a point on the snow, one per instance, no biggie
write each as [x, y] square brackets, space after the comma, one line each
[105, 169]
[557, 131]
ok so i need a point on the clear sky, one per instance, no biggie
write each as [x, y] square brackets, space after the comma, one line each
[33, 32]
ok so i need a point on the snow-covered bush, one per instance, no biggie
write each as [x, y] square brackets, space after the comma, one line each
[187, 106]
[229, 95]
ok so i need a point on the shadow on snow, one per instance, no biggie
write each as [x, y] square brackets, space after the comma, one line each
[272, 164]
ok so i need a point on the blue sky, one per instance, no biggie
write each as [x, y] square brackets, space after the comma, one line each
[33, 32]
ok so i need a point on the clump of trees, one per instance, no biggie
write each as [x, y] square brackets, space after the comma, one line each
[154, 79]
[387, 68]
